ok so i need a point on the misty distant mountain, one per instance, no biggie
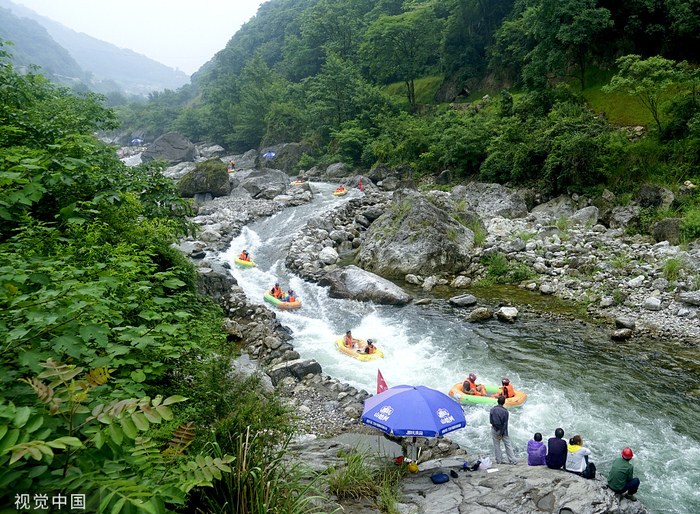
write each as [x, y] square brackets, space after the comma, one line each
[58, 50]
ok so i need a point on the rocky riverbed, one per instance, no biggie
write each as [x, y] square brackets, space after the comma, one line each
[617, 277]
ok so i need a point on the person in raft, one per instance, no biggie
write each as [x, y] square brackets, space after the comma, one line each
[556, 450]
[348, 341]
[370, 348]
[536, 451]
[621, 477]
[339, 189]
[276, 291]
[291, 297]
[508, 390]
[469, 386]
[244, 256]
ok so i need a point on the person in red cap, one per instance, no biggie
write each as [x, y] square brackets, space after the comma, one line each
[621, 477]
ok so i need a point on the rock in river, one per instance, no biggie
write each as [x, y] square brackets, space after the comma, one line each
[357, 284]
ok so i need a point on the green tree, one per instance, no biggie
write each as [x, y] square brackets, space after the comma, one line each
[561, 35]
[403, 47]
[651, 80]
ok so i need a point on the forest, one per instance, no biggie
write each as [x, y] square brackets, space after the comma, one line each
[400, 83]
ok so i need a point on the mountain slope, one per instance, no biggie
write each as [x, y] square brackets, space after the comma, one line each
[133, 72]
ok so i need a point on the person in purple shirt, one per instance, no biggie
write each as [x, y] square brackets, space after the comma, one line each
[536, 451]
[556, 450]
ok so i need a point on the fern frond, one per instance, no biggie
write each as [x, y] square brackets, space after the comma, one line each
[44, 392]
[98, 376]
[182, 437]
[60, 372]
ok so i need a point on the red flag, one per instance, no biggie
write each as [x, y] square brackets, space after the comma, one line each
[360, 183]
[381, 385]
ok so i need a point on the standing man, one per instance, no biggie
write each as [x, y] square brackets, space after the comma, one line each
[498, 417]
[556, 450]
[621, 477]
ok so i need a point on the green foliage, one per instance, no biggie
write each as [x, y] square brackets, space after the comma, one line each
[82, 432]
[362, 475]
[500, 271]
[650, 80]
[672, 267]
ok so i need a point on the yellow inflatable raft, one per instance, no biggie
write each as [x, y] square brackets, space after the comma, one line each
[244, 264]
[359, 352]
[341, 193]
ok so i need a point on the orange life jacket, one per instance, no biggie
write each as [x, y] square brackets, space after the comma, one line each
[348, 341]
[276, 292]
[370, 348]
[291, 298]
[469, 385]
[508, 391]
[244, 257]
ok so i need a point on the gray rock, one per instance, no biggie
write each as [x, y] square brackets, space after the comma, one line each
[445, 177]
[621, 217]
[489, 200]
[328, 256]
[465, 300]
[691, 297]
[652, 195]
[560, 207]
[415, 237]
[413, 279]
[261, 184]
[652, 303]
[209, 177]
[430, 283]
[586, 216]
[547, 289]
[621, 334]
[337, 170]
[667, 229]
[298, 368]
[460, 282]
[625, 323]
[171, 147]
[509, 314]
[245, 161]
[636, 281]
[357, 284]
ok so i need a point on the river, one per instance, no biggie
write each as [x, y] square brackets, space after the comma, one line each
[612, 394]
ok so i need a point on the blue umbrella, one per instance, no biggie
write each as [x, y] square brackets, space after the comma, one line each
[137, 140]
[268, 155]
[417, 411]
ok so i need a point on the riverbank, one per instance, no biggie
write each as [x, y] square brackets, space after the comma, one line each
[331, 405]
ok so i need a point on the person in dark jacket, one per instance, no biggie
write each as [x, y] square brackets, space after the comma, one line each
[556, 450]
[621, 477]
[498, 417]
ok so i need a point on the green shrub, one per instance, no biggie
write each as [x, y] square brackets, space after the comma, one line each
[672, 267]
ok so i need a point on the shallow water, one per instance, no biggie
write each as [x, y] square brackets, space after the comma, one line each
[613, 394]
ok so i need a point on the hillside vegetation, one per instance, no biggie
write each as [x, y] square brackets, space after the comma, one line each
[115, 375]
[367, 82]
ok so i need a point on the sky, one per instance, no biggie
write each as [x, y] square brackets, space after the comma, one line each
[182, 34]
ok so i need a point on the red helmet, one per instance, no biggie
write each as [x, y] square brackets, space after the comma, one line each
[627, 453]
[472, 377]
[505, 381]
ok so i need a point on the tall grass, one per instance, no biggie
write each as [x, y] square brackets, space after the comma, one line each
[363, 475]
[261, 482]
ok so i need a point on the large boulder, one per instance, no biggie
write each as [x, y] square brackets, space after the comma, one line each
[556, 208]
[337, 170]
[651, 195]
[214, 284]
[415, 236]
[357, 284]
[244, 161]
[667, 229]
[261, 184]
[286, 157]
[209, 177]
[489, 200]
[297, 368]
[171, 147]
